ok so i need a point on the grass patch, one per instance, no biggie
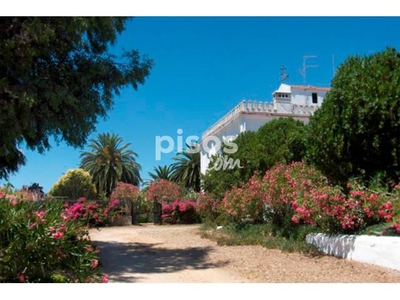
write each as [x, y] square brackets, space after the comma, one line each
[259, 234]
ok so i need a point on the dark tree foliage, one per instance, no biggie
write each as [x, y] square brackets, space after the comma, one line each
[57, 79]
[357, 130]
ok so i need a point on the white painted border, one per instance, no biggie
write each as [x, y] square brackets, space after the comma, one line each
[377, 250]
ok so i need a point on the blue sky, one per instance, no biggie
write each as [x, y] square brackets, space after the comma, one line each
[204, 66]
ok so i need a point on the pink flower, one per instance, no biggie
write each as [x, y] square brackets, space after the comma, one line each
[58, 235]
[388, 205]
[51, 229]
[32, 225]
[182, 207]
[64, 217]
[39, 214]
[373, 197]
[22, 277]
[114, 203]
[295, 220]
[2, 195]
[104, 279]
[95, 263]
[14, 202]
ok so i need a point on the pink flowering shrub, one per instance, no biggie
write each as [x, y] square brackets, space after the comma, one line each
[92, 213]
[125, 193]
[45, 241]
[246, 202]
[180, 212]
[291, 195]
[163, 191]
[208, 207]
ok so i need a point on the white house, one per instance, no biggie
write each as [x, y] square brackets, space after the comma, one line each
[296, 101]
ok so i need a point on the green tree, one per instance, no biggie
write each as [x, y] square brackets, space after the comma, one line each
[57, 78]
[356, 132]
[278, 141]
[75, 183]
[110, 162]
[186, 168]
[161, 172]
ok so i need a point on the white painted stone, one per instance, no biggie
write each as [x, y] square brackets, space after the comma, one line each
[377, 250]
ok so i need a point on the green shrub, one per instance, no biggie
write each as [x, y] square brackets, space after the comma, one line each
[75, 183]
[356, 131]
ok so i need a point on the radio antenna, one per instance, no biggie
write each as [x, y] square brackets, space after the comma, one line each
[284, 75]
[303, 71]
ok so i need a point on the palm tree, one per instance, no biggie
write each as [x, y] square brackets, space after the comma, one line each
[110, 162]
[186, 169]
[161, 172]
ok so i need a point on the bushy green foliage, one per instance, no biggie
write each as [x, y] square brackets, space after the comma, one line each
[74, 184]
[57, 79]
[279, 141]
[356, 132]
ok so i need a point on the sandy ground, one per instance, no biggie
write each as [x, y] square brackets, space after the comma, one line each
[177, 254]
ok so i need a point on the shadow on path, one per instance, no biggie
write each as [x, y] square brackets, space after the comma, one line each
[124, 262]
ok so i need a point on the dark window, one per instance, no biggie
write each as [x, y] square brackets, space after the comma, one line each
[314, 98]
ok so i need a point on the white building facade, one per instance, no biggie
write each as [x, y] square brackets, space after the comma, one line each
[296, 101]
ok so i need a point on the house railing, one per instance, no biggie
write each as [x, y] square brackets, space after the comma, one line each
[256, 106]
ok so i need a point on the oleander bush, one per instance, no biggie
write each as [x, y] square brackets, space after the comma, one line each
[180, 212]
[48, 241]
[289, 196]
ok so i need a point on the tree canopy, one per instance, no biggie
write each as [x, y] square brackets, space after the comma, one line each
[75, 183]
[110, 162]
[186, 168]
[161, 172]
[356, 132]
[57, 78]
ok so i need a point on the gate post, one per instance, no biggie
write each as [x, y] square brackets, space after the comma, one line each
[134, 212]
[157, 220]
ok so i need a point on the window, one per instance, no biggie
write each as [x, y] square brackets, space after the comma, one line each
[314, 98]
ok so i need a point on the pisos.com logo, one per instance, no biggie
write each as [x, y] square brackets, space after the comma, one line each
[211, 145]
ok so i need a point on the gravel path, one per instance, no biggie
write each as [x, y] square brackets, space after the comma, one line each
[176, 254]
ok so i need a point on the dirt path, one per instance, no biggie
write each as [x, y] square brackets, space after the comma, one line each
[176, 254]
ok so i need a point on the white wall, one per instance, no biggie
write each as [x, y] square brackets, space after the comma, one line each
[244, 122]
[234, 128]
[377, 250]
[304, 97]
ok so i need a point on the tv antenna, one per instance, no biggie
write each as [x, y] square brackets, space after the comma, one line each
[284, 75]
[303, 71]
